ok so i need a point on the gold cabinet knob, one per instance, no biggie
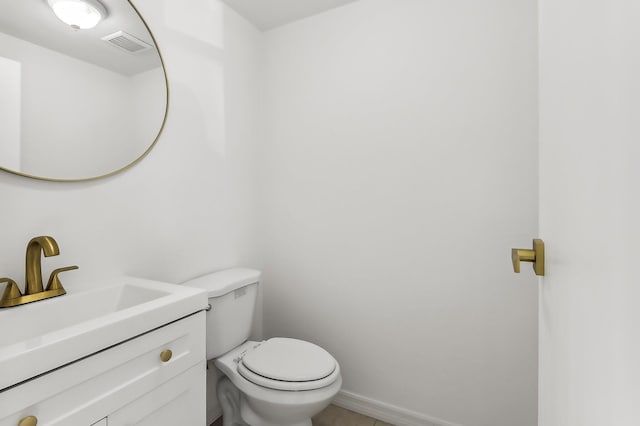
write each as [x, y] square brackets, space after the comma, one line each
[165, 356]
[28, 421]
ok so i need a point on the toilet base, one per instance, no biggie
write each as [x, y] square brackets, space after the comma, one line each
[229, 398]
[252, 419]
[236, 410]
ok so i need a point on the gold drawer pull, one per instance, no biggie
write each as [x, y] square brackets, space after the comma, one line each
[28, 421]
[165, 356]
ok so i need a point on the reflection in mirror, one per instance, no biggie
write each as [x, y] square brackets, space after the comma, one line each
[77, 104]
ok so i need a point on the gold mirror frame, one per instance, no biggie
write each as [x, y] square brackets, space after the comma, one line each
[147, 151]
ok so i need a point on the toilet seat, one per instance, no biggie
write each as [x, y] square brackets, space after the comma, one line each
[289, 364]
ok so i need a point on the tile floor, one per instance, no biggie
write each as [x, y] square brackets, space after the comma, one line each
[336, 416]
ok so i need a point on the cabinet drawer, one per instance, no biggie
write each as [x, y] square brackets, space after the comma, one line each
[176, 402]
[88, 390]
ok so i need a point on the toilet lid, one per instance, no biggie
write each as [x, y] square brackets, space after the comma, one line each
[290, 360]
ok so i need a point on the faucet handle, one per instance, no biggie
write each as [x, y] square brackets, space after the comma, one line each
[54, 282]
[11, 291]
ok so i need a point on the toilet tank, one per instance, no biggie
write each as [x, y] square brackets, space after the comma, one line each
[232, 296]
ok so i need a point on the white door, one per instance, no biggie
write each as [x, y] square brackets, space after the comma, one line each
[590, 212]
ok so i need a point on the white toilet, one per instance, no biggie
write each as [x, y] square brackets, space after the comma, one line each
[277, 382]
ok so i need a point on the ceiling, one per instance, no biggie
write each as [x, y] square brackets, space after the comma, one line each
[268, 14]
[34, 21]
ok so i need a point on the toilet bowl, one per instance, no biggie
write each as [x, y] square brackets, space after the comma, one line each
[276, 382]
[271, 402]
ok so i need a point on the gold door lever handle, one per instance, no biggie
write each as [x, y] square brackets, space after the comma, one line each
[535, 255]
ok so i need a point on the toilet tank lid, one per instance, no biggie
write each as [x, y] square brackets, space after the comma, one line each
[223, 282]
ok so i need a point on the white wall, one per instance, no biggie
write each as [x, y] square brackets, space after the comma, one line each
[173, 216]
[589, 210]
[395, 174]
[188, 208]
[399, 168]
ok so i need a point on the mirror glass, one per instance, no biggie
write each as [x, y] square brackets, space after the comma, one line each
[77, 104]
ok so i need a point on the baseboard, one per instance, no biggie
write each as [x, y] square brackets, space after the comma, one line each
[386, 412]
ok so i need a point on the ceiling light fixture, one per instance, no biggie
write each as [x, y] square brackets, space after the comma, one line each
[79, 14]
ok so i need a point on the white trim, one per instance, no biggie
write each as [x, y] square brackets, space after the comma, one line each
[386, 412]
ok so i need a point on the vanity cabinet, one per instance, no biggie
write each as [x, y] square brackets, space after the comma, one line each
[127, 384]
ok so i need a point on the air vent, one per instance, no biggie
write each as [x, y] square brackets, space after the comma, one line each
[127, 42]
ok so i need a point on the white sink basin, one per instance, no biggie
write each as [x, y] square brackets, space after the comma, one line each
[41, 336]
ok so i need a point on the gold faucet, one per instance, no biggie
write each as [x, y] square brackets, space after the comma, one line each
[34, 290]
[33, 274]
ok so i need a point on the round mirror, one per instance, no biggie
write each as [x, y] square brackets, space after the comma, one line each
[83, 91]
